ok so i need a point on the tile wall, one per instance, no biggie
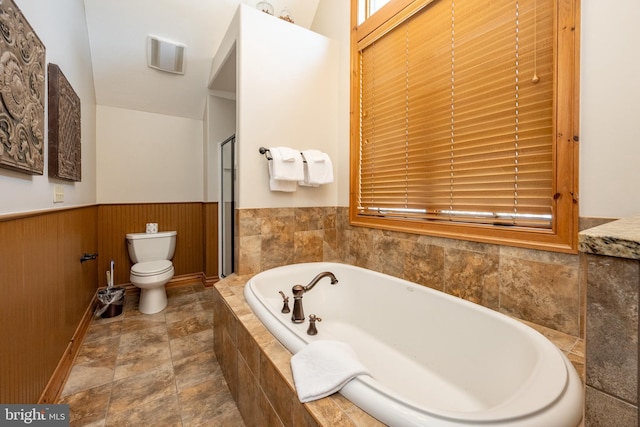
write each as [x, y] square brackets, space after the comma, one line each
[612, 341]
[610, 255]
[536, 286]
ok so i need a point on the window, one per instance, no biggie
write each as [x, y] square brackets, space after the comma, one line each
[464, 120]
[366, 8]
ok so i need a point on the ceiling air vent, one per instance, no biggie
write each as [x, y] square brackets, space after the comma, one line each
[165, 55]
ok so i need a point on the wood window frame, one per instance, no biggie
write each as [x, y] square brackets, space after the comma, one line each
[562, 237]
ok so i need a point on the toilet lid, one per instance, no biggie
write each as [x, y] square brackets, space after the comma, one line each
[150, 268]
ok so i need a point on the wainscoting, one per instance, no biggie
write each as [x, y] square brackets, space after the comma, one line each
[188, 219]
[47, 293]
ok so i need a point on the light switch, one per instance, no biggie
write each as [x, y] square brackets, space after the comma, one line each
[58, 194]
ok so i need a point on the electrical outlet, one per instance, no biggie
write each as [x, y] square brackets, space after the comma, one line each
[58, 194]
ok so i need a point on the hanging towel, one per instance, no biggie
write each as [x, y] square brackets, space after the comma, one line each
[287, 164]
[323, 368]
[318, 168]
[280, 185]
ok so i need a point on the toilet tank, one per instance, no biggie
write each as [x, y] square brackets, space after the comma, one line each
[144, 247]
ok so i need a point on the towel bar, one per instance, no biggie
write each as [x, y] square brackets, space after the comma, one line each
[267, 154]
[265, 151]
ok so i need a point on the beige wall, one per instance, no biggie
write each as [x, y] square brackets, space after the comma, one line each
[609, 112]
[61, 27]
[220, 121]
[287, 95]
[609, 63]
[147, 157]
[333, 20]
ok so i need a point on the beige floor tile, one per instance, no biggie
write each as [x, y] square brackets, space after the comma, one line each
[141, 322]
[160, 412]
[191, 344]
[195, 369]
[89, 375]
[88, 406]
[182, 328]
[131, 392]
[136, 359]
[204, 402]
[97, 350]
[182, 312]
[103, 330]
[152, 370]
[153, 335]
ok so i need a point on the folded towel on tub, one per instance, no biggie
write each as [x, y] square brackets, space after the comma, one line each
[323, 368]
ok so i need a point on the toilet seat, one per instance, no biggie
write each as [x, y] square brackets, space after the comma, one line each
[151, 268]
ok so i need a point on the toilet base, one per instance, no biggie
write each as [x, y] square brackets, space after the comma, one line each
[152, 300]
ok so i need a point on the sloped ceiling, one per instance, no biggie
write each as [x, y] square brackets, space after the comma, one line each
[118, 31]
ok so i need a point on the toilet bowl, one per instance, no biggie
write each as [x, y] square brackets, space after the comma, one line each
[152, 268]
[150, 277]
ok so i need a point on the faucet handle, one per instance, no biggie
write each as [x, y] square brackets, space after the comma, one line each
[312, 324]
[285, 303]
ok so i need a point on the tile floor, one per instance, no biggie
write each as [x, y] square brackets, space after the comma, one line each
[152, 370]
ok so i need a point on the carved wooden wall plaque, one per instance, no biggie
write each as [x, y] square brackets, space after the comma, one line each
[22, 59]
[65, 159]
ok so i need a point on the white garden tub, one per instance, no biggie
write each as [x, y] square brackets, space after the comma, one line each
[435, 360]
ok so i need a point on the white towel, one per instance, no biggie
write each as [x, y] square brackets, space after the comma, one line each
[279, 185]
[286, 165]
[313, 155]
[318, 168]
[323, 368]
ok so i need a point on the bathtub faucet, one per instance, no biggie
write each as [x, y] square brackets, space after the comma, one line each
[298, 290]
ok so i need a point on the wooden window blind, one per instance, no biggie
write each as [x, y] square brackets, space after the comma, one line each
[456, 116]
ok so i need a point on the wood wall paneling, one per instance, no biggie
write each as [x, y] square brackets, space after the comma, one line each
[47, 292]
[115, 221]
[12, 285]
[210, 212]
[44, 295]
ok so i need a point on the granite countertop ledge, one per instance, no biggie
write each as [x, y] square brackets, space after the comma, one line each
[620, 238]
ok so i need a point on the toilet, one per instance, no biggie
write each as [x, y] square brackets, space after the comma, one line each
[152, 268]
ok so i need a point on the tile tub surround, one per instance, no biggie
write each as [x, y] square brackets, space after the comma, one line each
[257, 367]
[611, 256]
[537, 286]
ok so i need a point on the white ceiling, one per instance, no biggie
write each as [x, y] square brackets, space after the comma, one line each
[118, 31]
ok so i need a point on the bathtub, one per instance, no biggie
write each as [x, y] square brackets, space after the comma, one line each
[435, 360]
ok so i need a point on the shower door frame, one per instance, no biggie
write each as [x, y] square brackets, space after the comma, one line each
[227, 208]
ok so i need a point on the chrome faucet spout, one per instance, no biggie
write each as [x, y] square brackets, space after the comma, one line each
[297, 316]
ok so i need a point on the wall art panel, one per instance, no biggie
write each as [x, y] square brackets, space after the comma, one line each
[65, 159]
[22, 59]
